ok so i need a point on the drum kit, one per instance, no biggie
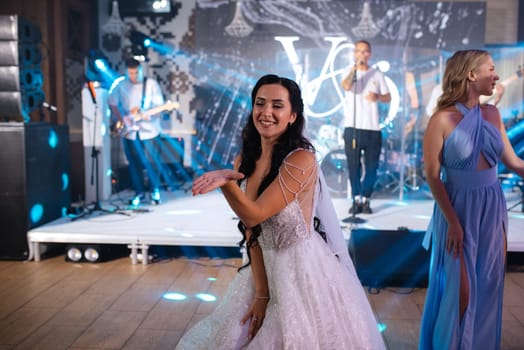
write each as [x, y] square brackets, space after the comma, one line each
[393, 161]
[329, 145]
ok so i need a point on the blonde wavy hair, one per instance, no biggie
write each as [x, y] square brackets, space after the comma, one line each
[455, 81]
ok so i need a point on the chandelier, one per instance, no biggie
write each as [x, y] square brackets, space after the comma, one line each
[113, 30]
[366, 28]
[238, 27]
[114, 25]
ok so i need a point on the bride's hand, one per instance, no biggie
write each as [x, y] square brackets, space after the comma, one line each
[214, 179]
[256, 315]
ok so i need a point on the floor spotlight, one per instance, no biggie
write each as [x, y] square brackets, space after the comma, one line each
[94, 253]
[73, 254]
[91, 254]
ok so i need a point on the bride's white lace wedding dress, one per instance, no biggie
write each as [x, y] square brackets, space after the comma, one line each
[317, 301]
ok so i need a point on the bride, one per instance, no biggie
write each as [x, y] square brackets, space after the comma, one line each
[299, 289]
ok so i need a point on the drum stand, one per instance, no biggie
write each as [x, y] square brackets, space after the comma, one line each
[387, 179]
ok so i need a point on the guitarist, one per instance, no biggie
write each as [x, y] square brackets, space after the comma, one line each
[140, 134]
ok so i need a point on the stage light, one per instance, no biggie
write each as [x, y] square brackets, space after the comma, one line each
[139, 45]
[162, 6]
[91, 254]
[97, 69]
[73, 254]
[94, 253]
[100, 64]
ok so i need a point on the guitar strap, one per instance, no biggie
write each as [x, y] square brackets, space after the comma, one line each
[143, 93]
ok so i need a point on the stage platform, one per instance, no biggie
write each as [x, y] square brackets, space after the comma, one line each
[207, 220]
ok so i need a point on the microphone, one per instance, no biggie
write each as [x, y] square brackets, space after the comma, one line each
[92, 91]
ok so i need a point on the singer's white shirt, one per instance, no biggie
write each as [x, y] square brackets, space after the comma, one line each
[367, 116]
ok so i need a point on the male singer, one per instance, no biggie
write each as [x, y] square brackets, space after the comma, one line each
[365, 87]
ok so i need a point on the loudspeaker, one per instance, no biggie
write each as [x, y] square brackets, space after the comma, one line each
[34, 181]
[389, 257]
[13, 27]
[21, 78]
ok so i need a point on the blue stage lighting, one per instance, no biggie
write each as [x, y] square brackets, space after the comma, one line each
[65, 181]
[97, 69]
[100, 64]
[52, 139]
[174, 296]
[36, 213]
[206, 297]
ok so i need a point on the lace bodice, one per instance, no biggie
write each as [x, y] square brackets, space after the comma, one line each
[284, 229]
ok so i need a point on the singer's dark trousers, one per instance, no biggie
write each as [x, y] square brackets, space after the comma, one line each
[368, 143]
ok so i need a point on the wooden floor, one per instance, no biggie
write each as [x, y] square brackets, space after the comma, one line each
[55, 304]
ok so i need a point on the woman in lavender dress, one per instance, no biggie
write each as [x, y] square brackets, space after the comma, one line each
[463, 142]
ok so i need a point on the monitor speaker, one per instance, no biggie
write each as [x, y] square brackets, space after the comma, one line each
[34, 181]
[389, 258]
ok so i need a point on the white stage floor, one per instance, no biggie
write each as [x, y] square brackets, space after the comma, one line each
[183, 220]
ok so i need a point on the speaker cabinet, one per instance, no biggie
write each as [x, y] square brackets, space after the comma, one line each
[389, 258]
[21, 77]
[34, 182]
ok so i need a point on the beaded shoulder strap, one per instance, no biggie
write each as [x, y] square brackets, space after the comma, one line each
[291, 176]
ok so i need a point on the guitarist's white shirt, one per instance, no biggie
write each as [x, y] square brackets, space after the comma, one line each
[127, 95]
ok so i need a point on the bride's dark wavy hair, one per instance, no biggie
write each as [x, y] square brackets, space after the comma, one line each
[290, 140]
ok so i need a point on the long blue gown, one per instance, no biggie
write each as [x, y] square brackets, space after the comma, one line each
[478, 200]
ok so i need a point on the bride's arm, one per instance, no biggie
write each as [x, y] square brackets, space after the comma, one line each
[296, 175]
[257, 311]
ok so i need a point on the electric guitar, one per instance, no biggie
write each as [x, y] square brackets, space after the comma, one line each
[122, 128]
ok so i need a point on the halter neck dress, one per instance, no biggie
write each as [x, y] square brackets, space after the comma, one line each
[478, 200]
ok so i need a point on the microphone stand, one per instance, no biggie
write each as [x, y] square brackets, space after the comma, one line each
[353, 219]
[94, 167]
